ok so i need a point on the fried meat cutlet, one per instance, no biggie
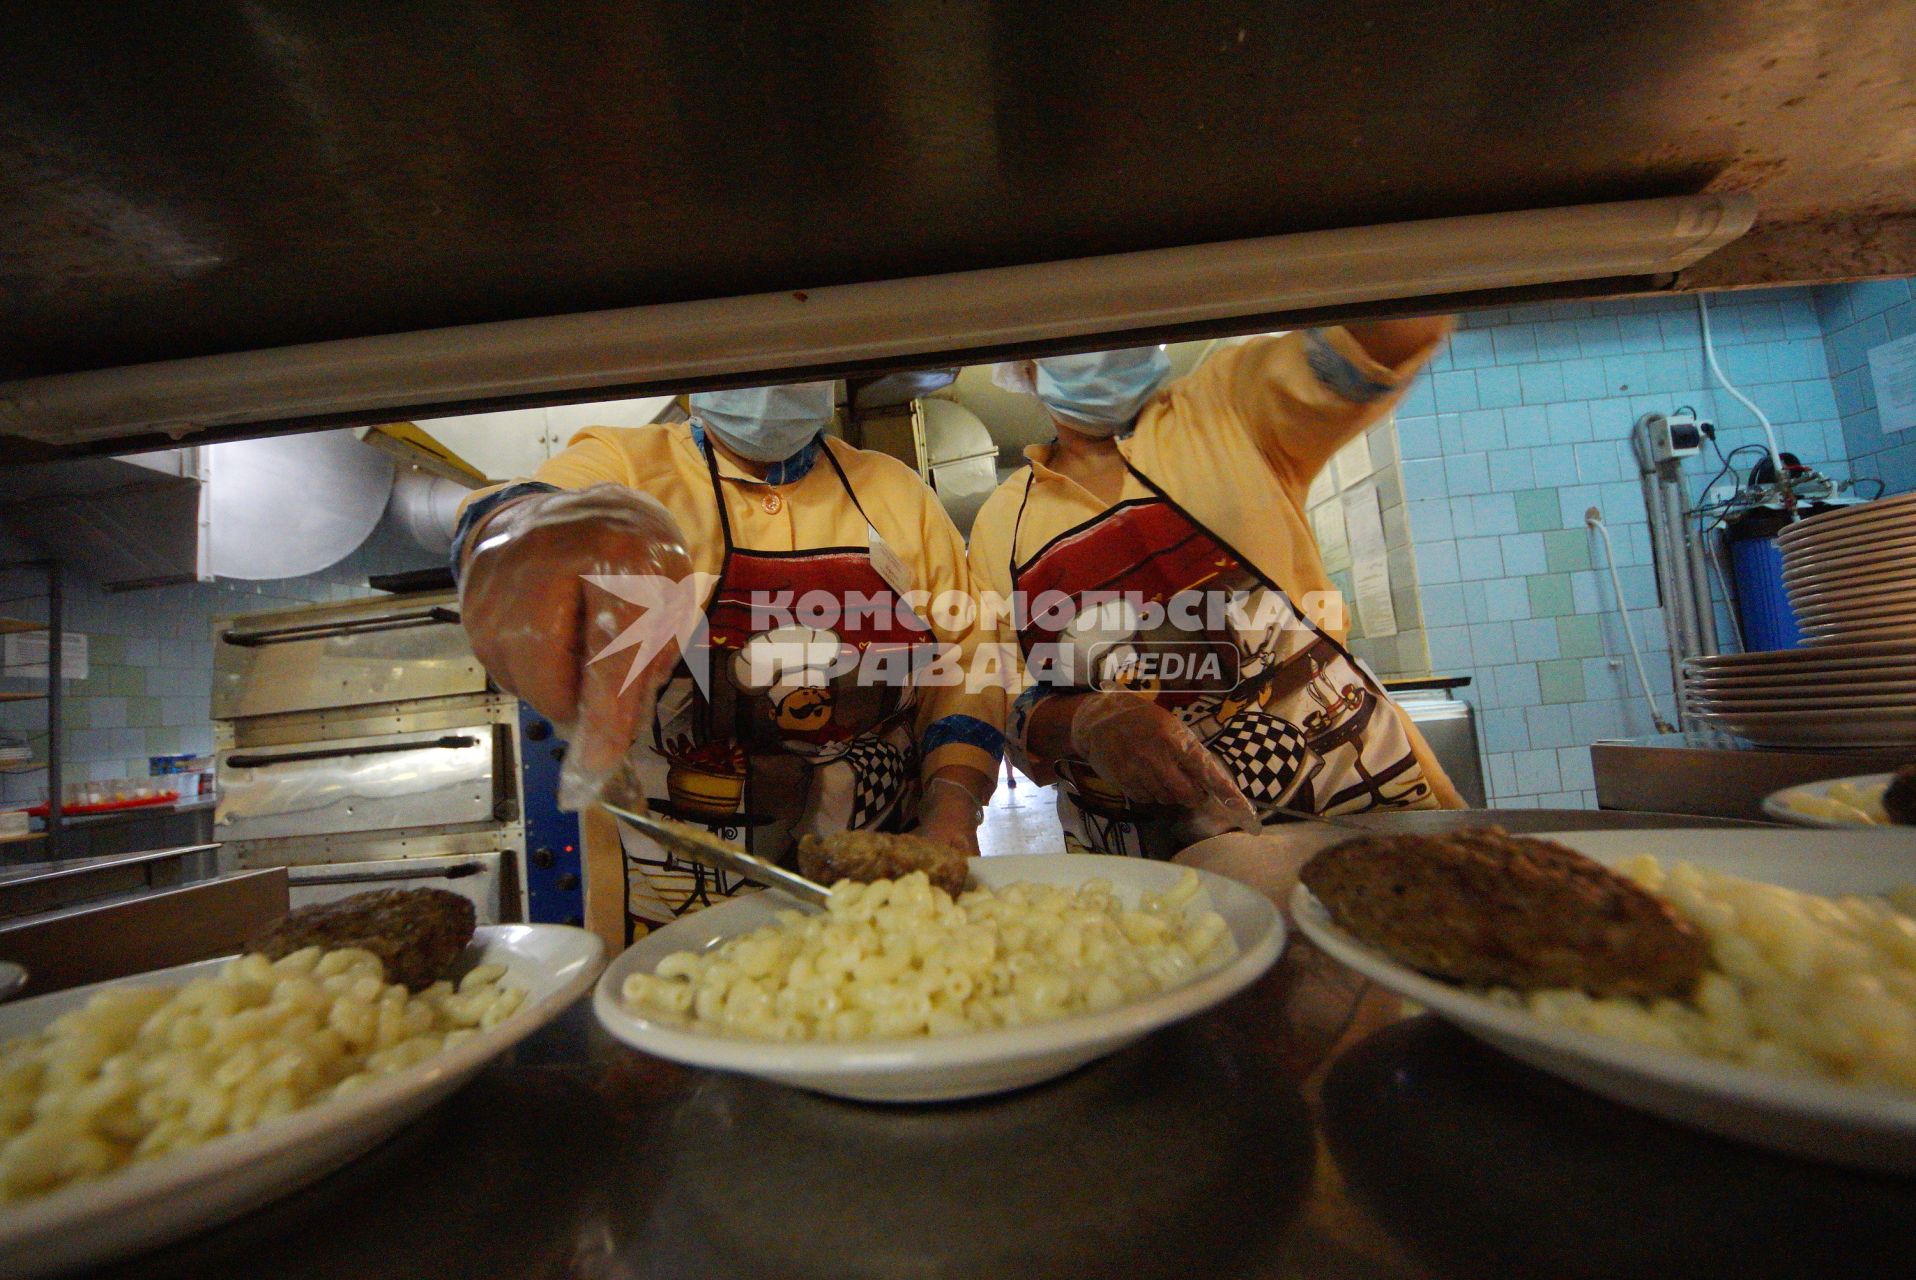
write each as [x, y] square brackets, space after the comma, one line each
[1899, 799]
[874, 855]
[1484, 908]
[416, 933]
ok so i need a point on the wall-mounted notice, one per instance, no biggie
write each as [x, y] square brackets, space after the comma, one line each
[1370, 562]
[1892, 367]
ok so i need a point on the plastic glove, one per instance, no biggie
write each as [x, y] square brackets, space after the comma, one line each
[949, 813]
[537, 624]
[1154, 758]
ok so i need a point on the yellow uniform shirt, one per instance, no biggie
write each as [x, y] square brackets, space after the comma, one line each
[1236, 444]
[956, 724]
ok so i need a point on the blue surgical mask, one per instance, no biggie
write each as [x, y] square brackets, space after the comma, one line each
[765, 424]
[1101, 392]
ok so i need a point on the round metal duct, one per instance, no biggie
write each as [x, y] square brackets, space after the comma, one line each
[291, 505]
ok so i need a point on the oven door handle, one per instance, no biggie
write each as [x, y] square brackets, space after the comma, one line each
[450, 742]
[458, 871]
[435, 616]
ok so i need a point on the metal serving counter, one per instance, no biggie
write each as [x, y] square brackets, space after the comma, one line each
[1303, 1129]
[1717, 774]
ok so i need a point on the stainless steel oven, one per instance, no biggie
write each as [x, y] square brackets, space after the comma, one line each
[361, 746]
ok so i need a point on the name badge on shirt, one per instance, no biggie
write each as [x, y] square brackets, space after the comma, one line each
[890, 566]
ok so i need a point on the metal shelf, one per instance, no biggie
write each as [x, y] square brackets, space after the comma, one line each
[13, 626]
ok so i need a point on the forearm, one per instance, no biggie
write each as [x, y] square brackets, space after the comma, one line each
[1047, 733]
[1392, 342]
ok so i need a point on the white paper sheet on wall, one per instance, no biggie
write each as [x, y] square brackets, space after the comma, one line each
[1370, 561]
[1327, 522]
[1352, 463]
[1892, 368]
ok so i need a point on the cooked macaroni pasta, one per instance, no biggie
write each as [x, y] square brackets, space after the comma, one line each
[894, 959]
[1799, 983]
[140, 1071]
[1844, 802]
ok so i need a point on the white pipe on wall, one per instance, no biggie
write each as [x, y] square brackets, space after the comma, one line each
[924, 316]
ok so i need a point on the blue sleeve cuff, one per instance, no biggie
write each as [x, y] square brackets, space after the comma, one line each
[969, 730]
[477, 511]
[1335, 370]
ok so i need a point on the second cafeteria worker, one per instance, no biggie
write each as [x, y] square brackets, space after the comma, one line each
[1197, 490]
[753, 495]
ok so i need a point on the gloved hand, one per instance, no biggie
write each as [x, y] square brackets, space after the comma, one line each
[537, 624]
[1154, 758]
[949, 813]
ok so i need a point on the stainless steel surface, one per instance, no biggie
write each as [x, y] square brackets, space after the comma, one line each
[338, 785]
[366, 652]
[46, 886]
[1277, 814]
[94, 941]
[12, 978]
[1434, 822]
[1449, 726]
[120, 522]
[480, 878]
[337, 485]
[1715, 773]
[708, 850]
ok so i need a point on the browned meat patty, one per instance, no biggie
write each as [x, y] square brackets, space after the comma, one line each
[417, 933]
[873, 855]
[1899, 801]
[1485, 908]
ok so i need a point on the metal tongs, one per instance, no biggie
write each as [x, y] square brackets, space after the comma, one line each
[708, 850]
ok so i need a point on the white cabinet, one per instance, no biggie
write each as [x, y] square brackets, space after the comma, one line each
[513, 442]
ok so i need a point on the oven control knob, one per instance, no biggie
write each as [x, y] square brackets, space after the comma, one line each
[538, 731]
[569, 881]
[542, 858]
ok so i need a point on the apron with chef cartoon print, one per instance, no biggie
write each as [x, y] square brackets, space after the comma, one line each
[1296, 718]
[787, 739]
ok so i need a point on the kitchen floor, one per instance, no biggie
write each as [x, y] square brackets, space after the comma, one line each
[1021, 818]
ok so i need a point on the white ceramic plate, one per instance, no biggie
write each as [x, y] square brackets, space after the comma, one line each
[1852, 657]
[1877, 514]
[161, 1200]
[1871, 567]
[1898, 690]
[1858, 727]
[1818, 701]
[1857, 632]
[1852, 544]
[1880, 599]
[1787, 805]
[1816, 1118]
[1900, 587]
[971, 1065]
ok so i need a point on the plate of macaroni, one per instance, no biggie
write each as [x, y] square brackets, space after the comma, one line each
[1801, 1035]
[1835, 803]
[898, 993]
[118, 1133]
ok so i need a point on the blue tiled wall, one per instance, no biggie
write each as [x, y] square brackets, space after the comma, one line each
[1521, 425]
[1855, 318]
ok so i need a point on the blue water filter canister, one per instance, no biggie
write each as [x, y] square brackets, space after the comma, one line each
[1762, 602]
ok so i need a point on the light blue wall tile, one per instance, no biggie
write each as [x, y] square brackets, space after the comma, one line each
[1467, 473]
[1511, 470]
[1527, 425]
[1508, 600]
[1515, 344]
[1418, 438]
[1869, 297]
[1555, 465]
[1549, 726]
[1483, 430]
[1479, 559]
[1424, 478]
[1499, 387]
[1491, 643]
[1493, 513]
[1597, 462]
[1557, 340]
[1627, 372]
[1583, 379]
[1640, 333]
[1443, 604]
[1437, 562]
[1430, 520]
[1568, 421]
[1536, 638]
[1470, 349]
[1455, 389]
[1537, 772]
[1505, 731]
[1542, 383]
[1449, 648]
[1503, 779]
[1523, 553]
[1517, 685]
[1573, 764]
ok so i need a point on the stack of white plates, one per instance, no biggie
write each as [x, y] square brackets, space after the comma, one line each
[1851, 574]
[1825, 695]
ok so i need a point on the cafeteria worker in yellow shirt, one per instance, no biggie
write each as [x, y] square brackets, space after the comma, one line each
[1183, 646]
[818, 696]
